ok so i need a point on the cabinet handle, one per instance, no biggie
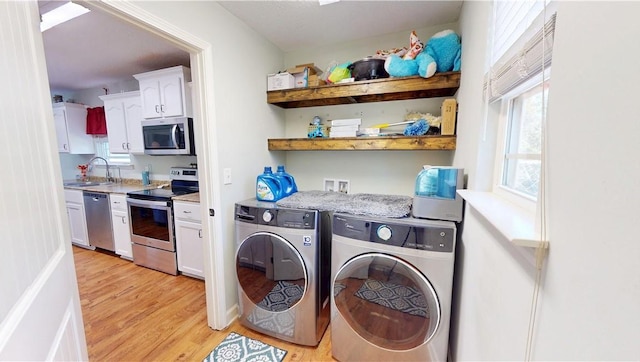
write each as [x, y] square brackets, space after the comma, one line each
[186, 212]
[123, 146]
[162, 108]
[65, 146]
[200, 233]
[128, 145]
[123, 220]
[116, 202]
[157, 106]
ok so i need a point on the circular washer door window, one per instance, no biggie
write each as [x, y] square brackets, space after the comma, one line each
[387, 301]
[270, 271]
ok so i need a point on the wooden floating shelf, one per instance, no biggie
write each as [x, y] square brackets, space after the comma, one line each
[375, 90]
[409, 143]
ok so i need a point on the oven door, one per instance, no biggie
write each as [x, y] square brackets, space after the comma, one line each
[151, 223]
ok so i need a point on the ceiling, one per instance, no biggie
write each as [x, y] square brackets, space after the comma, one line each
[97, 49]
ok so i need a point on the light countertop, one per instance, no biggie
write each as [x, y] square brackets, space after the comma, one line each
[115, 188]
[193, 197]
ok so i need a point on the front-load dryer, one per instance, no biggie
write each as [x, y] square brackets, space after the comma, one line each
[392, 282]
[283, 270]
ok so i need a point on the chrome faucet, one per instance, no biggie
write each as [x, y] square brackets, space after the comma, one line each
[108, 176]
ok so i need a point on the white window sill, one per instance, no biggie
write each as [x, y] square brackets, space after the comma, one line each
[514, 222]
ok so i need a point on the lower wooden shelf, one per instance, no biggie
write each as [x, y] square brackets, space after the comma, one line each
[397, 143]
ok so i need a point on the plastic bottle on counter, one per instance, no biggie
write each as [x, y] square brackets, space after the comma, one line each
[145, 176]
[268, 186]
[288, 182]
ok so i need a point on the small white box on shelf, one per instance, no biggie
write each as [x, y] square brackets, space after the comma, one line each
[346, 122]
[354, 128]
[343, 134]
[280, 81]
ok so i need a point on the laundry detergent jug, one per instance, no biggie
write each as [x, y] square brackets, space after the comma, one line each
[288, 182]
[268, 186]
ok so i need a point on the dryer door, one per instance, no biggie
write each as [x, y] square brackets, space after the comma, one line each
[387, 301]
[270, 271]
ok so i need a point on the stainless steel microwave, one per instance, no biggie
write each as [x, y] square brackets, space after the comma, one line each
[168, 136]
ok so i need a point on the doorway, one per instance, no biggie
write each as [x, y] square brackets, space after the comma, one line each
[201, 68]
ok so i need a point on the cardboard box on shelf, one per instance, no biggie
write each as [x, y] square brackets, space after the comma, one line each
[315, 81]
[280, 81]
[448, 125]
[304, 75]
[301, 76]
[313, 70]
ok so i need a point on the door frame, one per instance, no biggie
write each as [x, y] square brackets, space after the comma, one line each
[201, 53]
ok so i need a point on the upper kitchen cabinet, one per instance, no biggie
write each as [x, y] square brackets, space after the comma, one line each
[71, 128]
[124, 122]
[164, 93]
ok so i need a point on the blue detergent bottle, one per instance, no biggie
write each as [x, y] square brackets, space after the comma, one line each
[288, 182]
[268, 186]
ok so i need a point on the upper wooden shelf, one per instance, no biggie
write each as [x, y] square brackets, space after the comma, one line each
[410, 143]
[376, 90]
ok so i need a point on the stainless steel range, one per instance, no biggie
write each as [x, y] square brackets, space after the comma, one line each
[151, 216]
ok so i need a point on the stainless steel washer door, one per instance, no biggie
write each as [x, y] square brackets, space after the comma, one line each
[386, 301]
[271, 272]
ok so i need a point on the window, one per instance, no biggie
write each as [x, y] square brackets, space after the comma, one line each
[521, 154]
[102, 150]
[518, 84]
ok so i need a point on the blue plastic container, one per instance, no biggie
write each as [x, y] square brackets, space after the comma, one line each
[437, 181]
[427, 181]
[287, 181]
[268, 186]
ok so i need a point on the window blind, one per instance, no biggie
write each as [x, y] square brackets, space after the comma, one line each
[524, 57]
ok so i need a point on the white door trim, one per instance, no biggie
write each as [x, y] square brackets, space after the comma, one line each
[205, 124]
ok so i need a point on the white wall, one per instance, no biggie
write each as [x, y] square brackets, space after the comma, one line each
[243, 120]
[384, 172]
[588, 307]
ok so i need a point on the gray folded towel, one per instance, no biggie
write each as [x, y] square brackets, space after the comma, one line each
[394, 206]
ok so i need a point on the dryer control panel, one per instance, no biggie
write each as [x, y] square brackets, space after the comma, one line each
[286, 218]
[409, 234]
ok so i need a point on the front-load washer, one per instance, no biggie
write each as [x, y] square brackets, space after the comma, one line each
[283, 270]
[392, 281]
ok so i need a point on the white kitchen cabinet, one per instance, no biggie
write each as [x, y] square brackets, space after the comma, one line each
[77, 219]
[189, 238]
[164, 93]
[123, 112]
[71, 128]
[120, 223]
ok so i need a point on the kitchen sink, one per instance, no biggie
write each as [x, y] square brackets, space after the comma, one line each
[86, 183]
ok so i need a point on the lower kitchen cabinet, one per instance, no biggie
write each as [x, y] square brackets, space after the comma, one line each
[189, 240]
[120, 222]
[77, 218]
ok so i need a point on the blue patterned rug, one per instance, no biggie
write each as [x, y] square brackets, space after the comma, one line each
[399, 297]
[238, 348]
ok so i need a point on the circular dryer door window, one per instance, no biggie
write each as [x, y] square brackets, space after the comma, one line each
[387, 301]
[270, 271]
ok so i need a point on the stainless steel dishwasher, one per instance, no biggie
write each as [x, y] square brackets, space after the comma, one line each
[98, 212]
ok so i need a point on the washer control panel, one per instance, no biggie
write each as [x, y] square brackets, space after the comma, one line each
[405, 233]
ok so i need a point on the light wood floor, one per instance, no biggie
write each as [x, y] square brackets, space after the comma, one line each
[132, 313]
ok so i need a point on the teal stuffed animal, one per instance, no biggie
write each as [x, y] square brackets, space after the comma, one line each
[441, 54]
